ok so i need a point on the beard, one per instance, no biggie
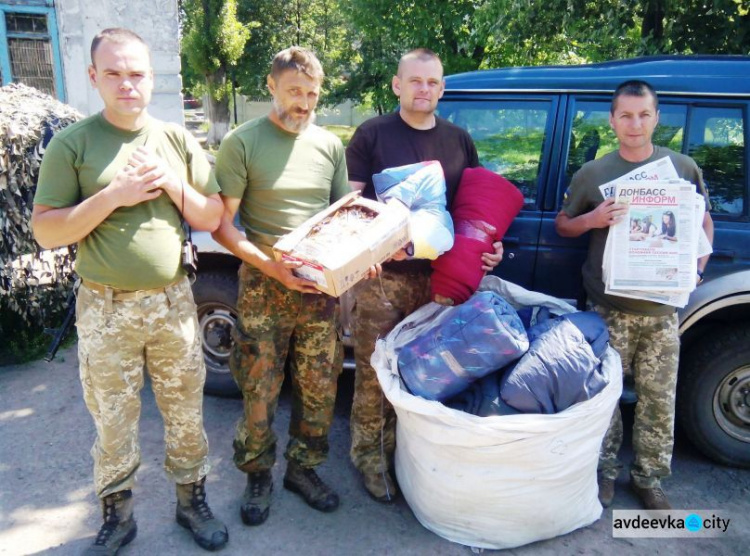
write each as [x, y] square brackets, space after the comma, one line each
[293, 124]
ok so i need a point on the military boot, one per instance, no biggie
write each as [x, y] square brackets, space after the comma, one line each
[380, 486]
[305, 481]
[256, 500]
[652, 498]
[193, 513]
[606, 490]
[119, 526]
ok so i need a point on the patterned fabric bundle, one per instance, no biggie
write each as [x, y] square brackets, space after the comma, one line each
[483, 210]
[421, 187]
[473, 340]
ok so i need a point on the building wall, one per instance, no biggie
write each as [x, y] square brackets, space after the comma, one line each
[155, 21]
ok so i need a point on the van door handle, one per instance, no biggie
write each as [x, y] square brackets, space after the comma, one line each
[512, 239]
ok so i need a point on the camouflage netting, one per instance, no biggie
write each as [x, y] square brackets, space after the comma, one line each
[33, 283]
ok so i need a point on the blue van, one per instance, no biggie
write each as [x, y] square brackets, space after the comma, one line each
[536, 126]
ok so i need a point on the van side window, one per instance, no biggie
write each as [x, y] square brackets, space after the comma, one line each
[717, 144]
[591, 136]
[509, 136]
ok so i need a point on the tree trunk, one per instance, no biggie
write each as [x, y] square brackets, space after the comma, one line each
[218, 110]
[653, 21]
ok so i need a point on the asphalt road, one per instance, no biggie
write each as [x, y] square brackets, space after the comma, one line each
[47, 503]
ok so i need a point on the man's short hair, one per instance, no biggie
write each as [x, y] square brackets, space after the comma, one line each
[421, 54]
[633, 88]
[298, 59]
[118, 35]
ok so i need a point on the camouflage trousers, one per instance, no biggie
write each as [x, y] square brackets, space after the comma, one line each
[380, 304]
[117, 338]
[650, 349]
[275, 323]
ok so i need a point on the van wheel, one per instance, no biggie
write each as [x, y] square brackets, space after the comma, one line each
[216, 296]
[714, 395]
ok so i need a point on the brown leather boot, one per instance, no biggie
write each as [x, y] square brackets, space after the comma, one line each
[652, 498]
[193, 513]
[380, 486]
[119, 526]
[305, 481]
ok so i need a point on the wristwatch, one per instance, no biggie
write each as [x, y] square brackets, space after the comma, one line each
[700, 276]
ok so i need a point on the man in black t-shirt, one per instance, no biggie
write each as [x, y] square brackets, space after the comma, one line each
[412, 134]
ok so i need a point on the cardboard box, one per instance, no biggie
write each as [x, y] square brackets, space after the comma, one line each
[336, 270]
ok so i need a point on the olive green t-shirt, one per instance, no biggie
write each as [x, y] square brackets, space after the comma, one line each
[583, 196]
[136, 247]
[281, 178]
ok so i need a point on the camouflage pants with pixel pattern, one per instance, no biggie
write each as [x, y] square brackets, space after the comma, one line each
[380, 304]
[116, 340]
[275, 322]
[650, 349]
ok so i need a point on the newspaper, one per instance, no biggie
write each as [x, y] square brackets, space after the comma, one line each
[656, 243]
[678, 292]
[662, 169]
[665, 297]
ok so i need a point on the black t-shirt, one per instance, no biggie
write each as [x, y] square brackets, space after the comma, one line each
[387, 141]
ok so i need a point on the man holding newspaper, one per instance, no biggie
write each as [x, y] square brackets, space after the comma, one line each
[636, 282]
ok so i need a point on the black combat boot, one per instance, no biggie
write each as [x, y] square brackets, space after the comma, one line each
[193, 513]
[119, 526]
[256, 500]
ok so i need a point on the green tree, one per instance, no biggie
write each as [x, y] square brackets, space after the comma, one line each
[318, 25]
[213, 40]
[529, 32]
[385, 30]
[707, 27]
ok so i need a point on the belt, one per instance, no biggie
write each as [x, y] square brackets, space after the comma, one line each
[124, 295]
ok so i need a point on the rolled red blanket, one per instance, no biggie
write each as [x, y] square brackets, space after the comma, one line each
[483, 210]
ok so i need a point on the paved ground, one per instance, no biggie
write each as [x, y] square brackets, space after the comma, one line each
[47, 505]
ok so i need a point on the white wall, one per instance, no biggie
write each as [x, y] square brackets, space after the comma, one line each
[154, 20]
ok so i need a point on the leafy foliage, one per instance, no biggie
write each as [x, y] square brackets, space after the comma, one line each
[212, 43]
[387, 29]
[318, 25]
[360, 41]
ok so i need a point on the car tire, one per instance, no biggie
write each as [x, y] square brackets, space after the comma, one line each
[216, 297]
[714, 395]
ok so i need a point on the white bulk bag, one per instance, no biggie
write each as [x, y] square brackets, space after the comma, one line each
[500, 481]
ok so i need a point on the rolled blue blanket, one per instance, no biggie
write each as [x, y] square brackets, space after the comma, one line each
[479, 337]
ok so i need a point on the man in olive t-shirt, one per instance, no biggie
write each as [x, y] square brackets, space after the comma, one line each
[117, 184]
[643, 332]
[278, 171]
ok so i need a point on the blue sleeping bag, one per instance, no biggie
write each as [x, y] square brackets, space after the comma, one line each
[480, 336]
[562, 366]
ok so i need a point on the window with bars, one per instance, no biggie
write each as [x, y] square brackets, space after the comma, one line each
[28, 50]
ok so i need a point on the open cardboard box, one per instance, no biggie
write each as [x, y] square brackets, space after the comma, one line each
[336, 270]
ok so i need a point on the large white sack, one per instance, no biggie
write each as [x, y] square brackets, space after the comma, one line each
[501, 481]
